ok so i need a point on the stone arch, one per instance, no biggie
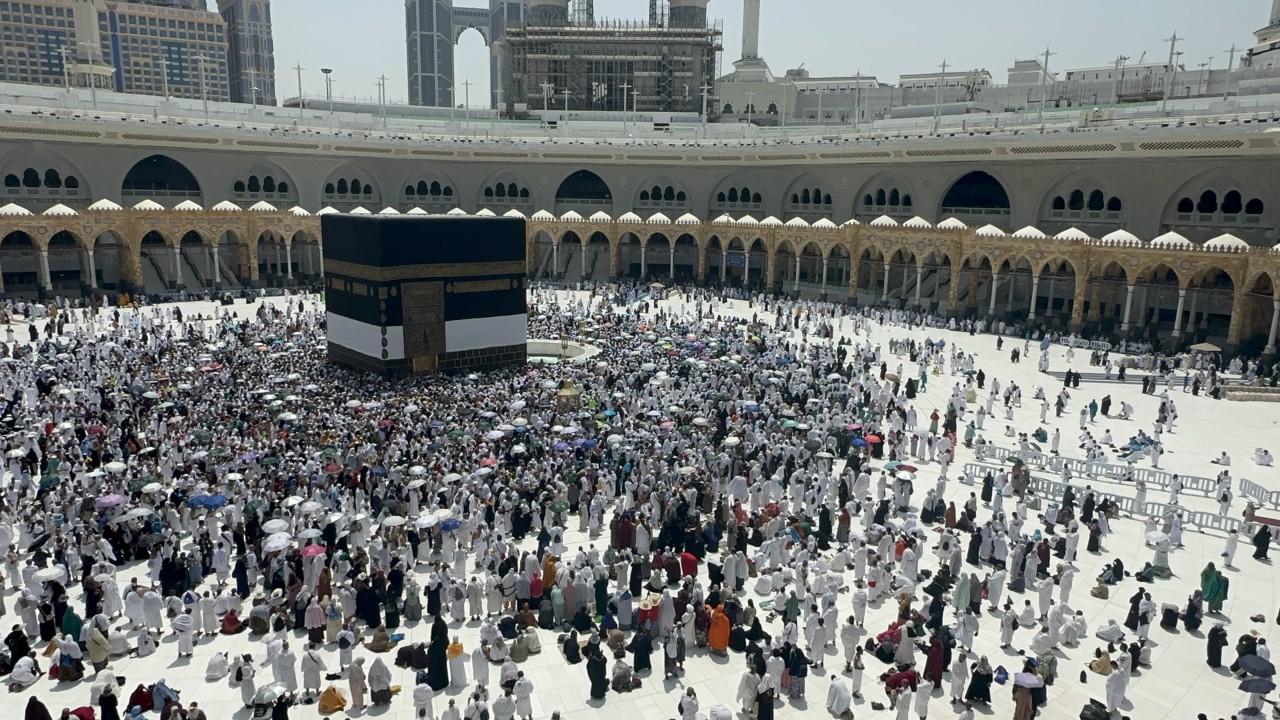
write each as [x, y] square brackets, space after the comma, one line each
[665, 193]
[429, 189]
[505, 190]
[349, 187]
[885, 193]
[810, 197]
[20, 263]
[585, 192]
[1080, 198]
[159, 177]
[1058, 283]
[1222, 200]
[265, 181]
[729, 192]
[58, 180]
[977, 196]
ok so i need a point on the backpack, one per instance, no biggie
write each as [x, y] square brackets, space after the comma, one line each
[239, 673]
[344, 642]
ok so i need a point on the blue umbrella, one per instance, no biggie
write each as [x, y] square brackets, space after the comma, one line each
[859, 442]
[196, 501]
[560, 446]
[590, 443]
[214, 501]
[380, 471]
[891, 465]
[450, 525]
[437, 423]
[609, 413]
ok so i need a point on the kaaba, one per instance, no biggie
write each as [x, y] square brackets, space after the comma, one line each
[408, 294]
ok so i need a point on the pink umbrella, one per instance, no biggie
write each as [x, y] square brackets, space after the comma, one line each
[312, 550]
[111, 500]
[488, 462]
[667, 425]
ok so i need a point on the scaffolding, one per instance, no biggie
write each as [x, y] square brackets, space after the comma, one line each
[582, 13]
[619, 65]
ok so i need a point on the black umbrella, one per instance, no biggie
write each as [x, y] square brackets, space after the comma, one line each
[40, 540]
[1258, 685]
[1258, 666]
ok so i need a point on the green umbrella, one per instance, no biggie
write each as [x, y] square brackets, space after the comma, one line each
[559, 506]
[270, 460]
[456, 432]
[329, 451]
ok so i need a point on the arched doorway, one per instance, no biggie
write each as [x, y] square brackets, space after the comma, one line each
[563, 254]
[160, 177]
[542, 251]
[658, 257]
[685, 257]
[1258, 327]
[595, 258]
[1211, 295]
[107, 260]
[713, 261]
[1058, 285]
[977, 198]
[155, 255]
[65, 271]
[584, 192]
[19, 264]
[784, 267]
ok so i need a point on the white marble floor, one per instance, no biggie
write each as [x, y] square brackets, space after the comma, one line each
[1179, 686]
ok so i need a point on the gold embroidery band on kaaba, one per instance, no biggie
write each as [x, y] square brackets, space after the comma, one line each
[415, 272]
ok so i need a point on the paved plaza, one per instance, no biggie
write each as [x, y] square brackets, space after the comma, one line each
[1178, 685]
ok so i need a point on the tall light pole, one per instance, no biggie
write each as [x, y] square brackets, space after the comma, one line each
[1117, 79]
[253, 86]
[547, 89]
[1203, 65]
[328, 92]
[635, 107]
[625, 87]
[204, 91]
[1044, 85]
[567, 93]
[93, 76]
[857, 98]
[706, 110]
[298, 68]
[65, 52]
[1231, 55]
[164, 77]
[750, 106]
[937, 97]
[382, 98]
[821, 90]
[466, 103]
[1170, 72]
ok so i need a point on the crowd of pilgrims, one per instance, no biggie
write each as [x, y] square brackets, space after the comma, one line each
[736, 487]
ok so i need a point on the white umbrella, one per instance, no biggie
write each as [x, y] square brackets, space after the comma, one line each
[443, 514]
[233, 477]
[308, 534]
[287, 416]
[151, 395]
[15, 453]
[50, 574]
[415, 484]
[114, 466]
[517, 406]
[152, 487]
[275, 525]
[520, 422]
[452, 478]
[276, 545]
[353, 404]
[292, 500]
[687, 470]
[517, 450]
[333, 517]
[493, 435]
[732, 441]
[392, 521]
[417, 470]
[310, 506]
[426, 521]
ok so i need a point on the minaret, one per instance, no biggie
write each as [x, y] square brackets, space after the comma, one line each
[1271, 32]
[1275, 12]
[751, 28]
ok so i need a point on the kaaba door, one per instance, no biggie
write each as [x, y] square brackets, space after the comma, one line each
[424, 338]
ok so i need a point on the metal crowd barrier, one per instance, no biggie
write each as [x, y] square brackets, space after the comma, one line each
[1053, 490]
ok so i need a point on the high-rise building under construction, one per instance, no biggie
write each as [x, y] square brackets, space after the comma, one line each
[562, 58]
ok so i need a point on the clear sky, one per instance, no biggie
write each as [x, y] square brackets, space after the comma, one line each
[363, 39]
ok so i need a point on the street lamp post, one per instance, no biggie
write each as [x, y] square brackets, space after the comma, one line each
[164, 77]
[1044, 81]
[706, 110]
[1171, 72]
[750, 105]
[299, 70]
[937, 97]
[204, 92]
[66, 66]
[625, 87]
[857, 98]
[466, 103]
[567, 93]
[93, 78]
[253, 87]
[382, 98]
[328, 92]
[821, 91]
[547, 89]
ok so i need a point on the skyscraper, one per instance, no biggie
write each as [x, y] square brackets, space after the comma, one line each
[251, 62]
[142, 46]
[432, 28]
[156, 47]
